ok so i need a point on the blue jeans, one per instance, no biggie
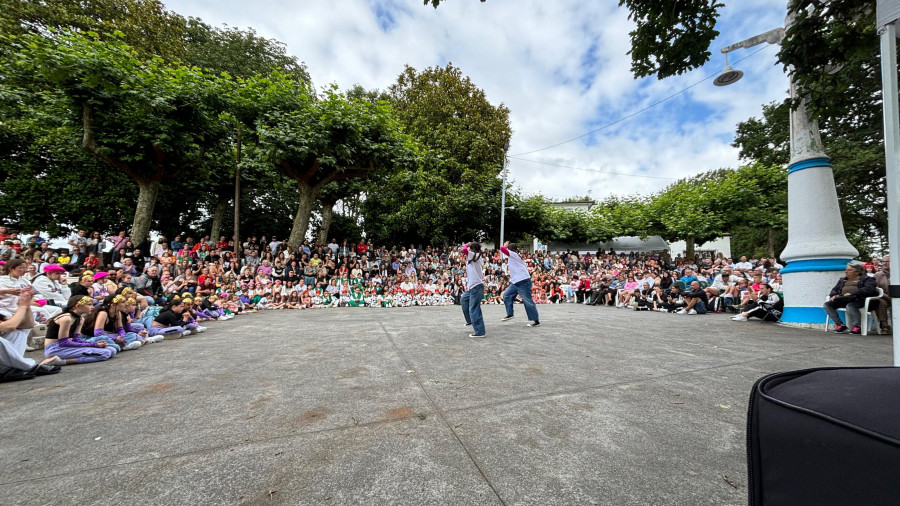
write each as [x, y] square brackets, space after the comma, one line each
[523, 289]
[471, 308]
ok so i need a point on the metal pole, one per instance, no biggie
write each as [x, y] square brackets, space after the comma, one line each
[892, 158]
[503, 197]
[503, 204]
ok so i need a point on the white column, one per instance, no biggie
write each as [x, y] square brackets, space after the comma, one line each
[817, 250]
[892, 157]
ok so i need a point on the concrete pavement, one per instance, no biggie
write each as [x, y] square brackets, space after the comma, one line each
[400, 406]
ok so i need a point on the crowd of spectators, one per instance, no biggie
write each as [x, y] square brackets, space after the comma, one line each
[207, 280]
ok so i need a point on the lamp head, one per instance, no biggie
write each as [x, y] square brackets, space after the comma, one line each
[728, 76]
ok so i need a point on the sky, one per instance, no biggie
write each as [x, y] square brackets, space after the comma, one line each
[560, 66]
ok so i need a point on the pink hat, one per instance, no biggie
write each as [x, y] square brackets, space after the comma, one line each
[100, 275]
[53, 268]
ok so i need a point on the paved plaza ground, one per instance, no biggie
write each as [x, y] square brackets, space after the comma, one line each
[399, 406]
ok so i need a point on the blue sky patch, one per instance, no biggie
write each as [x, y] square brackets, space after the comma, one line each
[384, 15]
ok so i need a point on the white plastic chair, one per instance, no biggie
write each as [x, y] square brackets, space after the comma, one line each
[865, 314]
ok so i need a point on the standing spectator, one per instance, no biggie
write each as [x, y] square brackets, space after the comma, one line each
[274, 244]
[882, 280]
[118, 242]
[177, 244]
[35, 239]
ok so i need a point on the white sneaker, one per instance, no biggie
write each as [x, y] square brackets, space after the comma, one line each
[186, 333]
[740, 318]
[133, 345]
[221, 318]
[201, 329]
[692, 311]
[154, 339]
[681, 311]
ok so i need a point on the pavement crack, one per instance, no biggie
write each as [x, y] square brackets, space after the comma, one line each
[443, 417]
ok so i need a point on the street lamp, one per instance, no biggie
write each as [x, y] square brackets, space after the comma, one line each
[817, 247]
[503, 196]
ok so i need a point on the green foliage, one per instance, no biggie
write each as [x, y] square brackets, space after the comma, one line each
[150, 121]
[144, 25]
[454, 194]
[453, 118]
[833, 35]
[767, 140]
[238, 53]
[752, 242]
[315, 142]
[672, 36]
[855, 145]
[624, 216]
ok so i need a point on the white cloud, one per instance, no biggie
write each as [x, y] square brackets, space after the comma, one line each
[561, 67]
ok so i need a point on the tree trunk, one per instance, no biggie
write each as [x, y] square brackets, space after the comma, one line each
[689, 248]
[218, 216]
[237, 199]
[143, 213]
[771, 242]
[304, 211]
[327, 218]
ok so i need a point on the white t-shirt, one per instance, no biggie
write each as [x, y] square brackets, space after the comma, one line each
[11, 302]
[518, 271]
[474, 270]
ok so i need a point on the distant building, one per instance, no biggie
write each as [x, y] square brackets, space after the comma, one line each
[581, 205]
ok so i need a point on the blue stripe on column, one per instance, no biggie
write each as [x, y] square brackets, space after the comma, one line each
[812, 162]
[816, 264]
[803, 315]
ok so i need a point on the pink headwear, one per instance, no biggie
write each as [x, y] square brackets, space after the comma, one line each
[53, 268]
[100, 275]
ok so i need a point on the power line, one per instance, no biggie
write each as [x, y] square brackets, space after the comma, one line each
[654, 104]
[592, 170]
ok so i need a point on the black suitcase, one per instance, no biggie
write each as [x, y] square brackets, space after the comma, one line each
[825, 436]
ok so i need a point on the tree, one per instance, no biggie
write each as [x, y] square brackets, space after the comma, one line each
[454, 194]
[317, 142]
[148, 120]
[238, 53]
[672, 36]
[855, 145]
[145, 25]
[332, 193]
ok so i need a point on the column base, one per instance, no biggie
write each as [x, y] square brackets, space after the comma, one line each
[804, 317]
[807, 284]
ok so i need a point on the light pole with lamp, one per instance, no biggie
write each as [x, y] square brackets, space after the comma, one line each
[817, 248]
[503, 195]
